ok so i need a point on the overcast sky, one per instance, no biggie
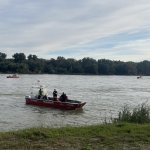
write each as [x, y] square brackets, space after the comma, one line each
[110, 29]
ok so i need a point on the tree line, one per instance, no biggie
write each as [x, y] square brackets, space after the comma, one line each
[31, 64]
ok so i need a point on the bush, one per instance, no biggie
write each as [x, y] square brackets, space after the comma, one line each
[140, 114]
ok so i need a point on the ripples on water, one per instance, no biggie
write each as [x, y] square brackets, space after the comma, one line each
[105, 96]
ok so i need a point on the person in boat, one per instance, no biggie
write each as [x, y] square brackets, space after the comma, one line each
[40, 93]
[55, 95]
[63, 97]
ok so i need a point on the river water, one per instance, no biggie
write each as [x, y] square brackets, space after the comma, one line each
[105, 97]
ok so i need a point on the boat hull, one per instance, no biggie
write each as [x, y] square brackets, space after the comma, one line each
[12, 77]
[69, 105]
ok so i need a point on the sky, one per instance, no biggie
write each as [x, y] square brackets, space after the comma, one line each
[99, 29]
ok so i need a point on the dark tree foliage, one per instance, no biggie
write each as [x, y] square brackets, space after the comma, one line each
[143, 68]
[106, 67]
[2, 56]
[19, 64]
[89, 66]
[19, 57]
[36, 66]
[61, 65]
[32, 57]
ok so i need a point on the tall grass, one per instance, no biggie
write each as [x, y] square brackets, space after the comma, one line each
[139, 114]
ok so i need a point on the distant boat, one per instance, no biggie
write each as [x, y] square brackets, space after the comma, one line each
[139, 77]
[13, 76]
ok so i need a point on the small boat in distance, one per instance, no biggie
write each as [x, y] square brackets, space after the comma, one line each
[47, 101]
[139, 77]
[13, 76]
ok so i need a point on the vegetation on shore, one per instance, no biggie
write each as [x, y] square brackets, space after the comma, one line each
[140, 114]
[19, 63]
[95, 137]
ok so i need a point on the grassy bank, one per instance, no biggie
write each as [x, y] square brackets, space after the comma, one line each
[109, 136]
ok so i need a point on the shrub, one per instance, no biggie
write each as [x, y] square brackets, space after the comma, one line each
[139, 114]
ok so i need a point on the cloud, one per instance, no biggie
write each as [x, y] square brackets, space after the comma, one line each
[74, 28]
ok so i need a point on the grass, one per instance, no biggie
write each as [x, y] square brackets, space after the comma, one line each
[96, 137]
[139, 114]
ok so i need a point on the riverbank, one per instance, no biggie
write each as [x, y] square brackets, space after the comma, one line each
[109, 136]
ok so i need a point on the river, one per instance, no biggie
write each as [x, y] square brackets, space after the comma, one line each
[105, 97]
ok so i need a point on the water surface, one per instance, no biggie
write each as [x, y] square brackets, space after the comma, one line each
[105, 96]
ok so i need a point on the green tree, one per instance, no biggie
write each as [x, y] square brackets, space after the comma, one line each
[22, 68]
[143, 68]
[2, 56]
[89, 65]
[61, 65]
[19, 57]
[105, 67]
[37, 66]
[131, 68]
[121, 68]
[32, 57]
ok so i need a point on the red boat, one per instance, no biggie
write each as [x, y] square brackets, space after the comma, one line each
[13, 76]
[49, 102]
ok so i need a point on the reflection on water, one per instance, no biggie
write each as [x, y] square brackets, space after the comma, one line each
[105, 96]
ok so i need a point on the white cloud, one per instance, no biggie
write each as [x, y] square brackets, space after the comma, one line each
[39, 27]
[131, 51]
